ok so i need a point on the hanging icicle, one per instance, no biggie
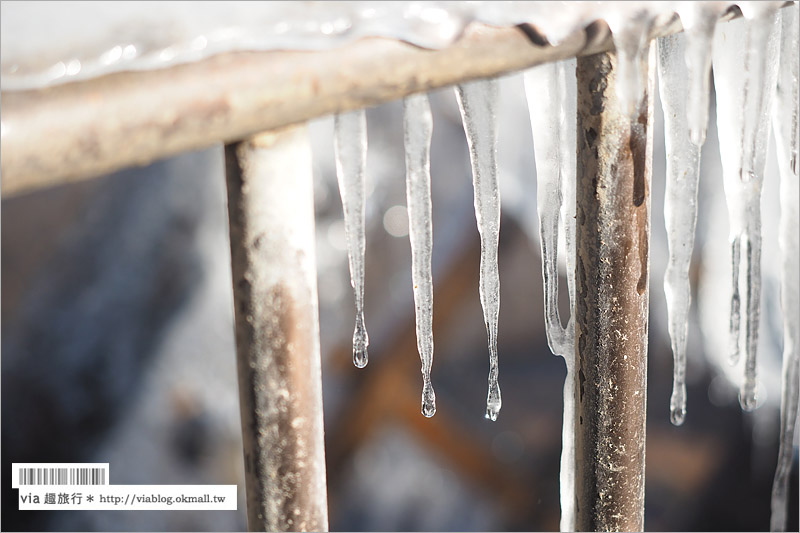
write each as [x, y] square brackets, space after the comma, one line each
[744, 78]
[418, 128]
[785, 114]
[680, 203]
[477, 101]
[350, 147]
[554, 147]
[699, 20]
[552, 99]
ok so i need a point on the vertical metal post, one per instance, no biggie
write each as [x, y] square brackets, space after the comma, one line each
[612, 239]
[271, 213]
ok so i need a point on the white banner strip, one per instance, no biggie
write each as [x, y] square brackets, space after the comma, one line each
[129, 497]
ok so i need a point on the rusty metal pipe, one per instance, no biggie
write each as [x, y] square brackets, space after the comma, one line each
[271, 213]
[612, 240]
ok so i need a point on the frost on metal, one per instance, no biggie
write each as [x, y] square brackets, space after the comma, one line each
[98, 38]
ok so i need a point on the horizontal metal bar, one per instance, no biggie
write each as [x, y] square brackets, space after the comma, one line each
[84, 129]
[93, 127]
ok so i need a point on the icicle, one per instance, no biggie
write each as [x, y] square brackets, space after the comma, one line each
[552, 101]
[350, 146]
[477, 102]
[631, 38]
[744, 77]
[418, 125]
[699, 20]
[544, 87]
[785, 115]
[680, 204]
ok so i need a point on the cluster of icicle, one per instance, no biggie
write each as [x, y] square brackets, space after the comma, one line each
[750, 85]
[755, 68]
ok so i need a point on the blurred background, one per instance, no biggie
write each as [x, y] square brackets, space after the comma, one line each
[117, 344]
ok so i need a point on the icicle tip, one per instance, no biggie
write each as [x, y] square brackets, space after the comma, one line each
[360, 357]
[677, 415]
[428, 400]
[748, 400]
[493, 403]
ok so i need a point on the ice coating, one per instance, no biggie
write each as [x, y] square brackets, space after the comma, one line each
[630, 39]
[65, 42]
[744, 78]
[350, 147]
[632, 25]
[552, 99]
[680, 204]
[477, 101]
[787, 136]
[418, 128]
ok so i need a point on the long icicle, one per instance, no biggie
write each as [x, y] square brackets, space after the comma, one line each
[744, 78]
[418, 128]
[785, 115]
[477, 101]
[544, 89]
[552, 100]
[350, 147]
[680, 203]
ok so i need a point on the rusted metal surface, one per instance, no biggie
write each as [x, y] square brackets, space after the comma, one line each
[271, 213]
[613, 229]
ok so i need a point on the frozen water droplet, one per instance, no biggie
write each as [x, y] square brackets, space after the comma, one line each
[360, 343]
[428, 399]
[360, 357]
[677, 416]
[677, 407]
[749, 399]
[493, 402]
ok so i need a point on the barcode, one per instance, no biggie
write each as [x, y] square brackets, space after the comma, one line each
[62, 476]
